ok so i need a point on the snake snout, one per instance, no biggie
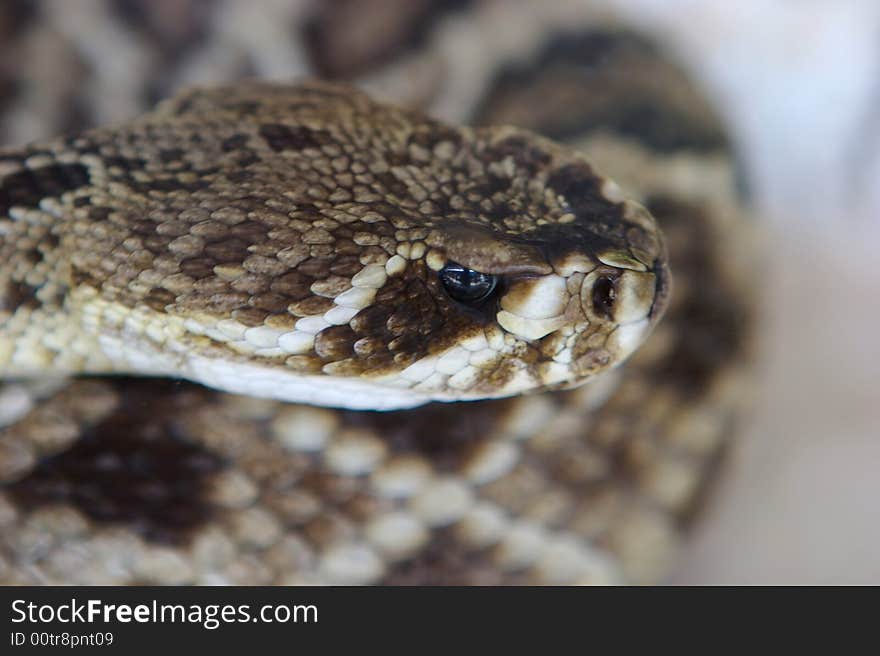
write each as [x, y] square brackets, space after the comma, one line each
[624, 296]
[622, 303]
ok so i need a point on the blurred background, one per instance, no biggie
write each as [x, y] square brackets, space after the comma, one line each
[798, 84]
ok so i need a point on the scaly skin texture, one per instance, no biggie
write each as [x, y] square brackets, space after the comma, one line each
[284, 241]
[205, 229]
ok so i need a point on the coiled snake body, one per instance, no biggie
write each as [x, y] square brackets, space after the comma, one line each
[294, 246]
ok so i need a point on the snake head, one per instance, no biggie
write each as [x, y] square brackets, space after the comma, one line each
[539, 276]
[552, 303]
[306, 243]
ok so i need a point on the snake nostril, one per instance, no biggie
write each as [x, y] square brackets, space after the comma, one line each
[604, 295]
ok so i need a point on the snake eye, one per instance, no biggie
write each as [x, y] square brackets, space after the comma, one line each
[466, 285]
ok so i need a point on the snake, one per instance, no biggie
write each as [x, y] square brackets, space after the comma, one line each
[305, 332]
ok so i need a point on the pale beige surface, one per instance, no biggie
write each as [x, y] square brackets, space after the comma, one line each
[800, 498]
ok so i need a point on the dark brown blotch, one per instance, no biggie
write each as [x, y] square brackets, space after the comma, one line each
[233, 143]
[197, 267]
[445, 560]
[317, 267]
[341, 44]
[603, 80]
[580, 188]
[228, 250]
[293, 285]
[250, 316]
[28, 187]
[275, 303]
[253, 232]
[134, 468]
[346, 265]
[311, 305]
[526, 155]
[335, 343]
[18, 295]
[429, 133]
[168, 155]
[158, 299]
[292, 138]
[371, 320]
[445, 433]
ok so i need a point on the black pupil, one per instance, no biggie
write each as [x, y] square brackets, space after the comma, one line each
[603, 296]
[466, 285]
